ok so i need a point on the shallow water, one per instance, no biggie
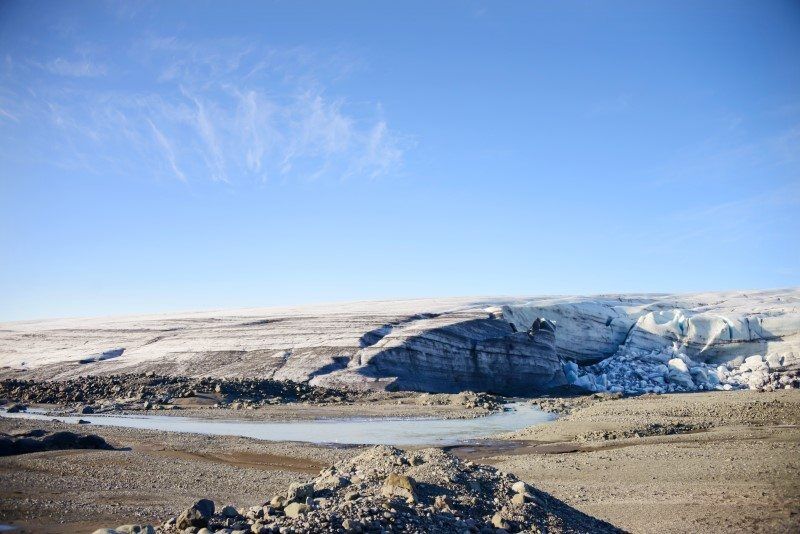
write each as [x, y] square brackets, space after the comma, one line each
[390, 431]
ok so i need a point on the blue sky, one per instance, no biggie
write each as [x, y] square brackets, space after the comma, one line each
[191, 155]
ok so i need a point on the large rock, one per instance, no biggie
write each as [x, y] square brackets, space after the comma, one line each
[197, 515]
[299, 492]
[400, 486]
[39, 440]
[296, 509]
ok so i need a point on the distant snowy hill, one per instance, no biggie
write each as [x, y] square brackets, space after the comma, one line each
[608, 342]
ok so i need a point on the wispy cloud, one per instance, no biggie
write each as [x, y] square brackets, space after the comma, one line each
[81, 68]
[169, 153]
[739, 222]
[227, 110]
[723, 156]
[8, 115]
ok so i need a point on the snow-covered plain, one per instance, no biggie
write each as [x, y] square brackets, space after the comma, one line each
[632, 343]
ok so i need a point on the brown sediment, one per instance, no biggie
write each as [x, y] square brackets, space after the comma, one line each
[248, 459]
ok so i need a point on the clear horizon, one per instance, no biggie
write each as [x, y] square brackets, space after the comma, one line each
[189, 156]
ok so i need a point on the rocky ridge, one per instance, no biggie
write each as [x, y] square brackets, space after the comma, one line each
[148, 391]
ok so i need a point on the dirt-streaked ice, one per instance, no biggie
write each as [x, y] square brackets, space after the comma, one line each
[434, 344]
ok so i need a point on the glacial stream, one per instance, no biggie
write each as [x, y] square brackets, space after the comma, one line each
[373, 431]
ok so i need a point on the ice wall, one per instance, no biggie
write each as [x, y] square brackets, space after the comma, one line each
[667, 343]
[435, 344]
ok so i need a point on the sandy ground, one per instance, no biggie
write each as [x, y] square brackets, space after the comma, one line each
[735, 467]
[740, 474]
[153, 477]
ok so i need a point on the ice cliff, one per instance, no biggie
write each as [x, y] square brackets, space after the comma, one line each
[609, 342]
[667, 343]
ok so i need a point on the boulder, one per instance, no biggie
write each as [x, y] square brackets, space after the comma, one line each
[296, 509]
[230, 511]
[498, 521]
[400, 486]
[520, 487]
[299, 492]
[330, 482]
[197, 515]
[519, 499]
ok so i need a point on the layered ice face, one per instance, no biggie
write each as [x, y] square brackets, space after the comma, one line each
[632, 343]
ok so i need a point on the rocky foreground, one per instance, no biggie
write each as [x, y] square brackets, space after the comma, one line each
[385, 489]
[700, 462]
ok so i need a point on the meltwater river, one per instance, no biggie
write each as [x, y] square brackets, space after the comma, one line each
[372, 431]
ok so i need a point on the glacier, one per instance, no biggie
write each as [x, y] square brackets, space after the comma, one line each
[631, 343]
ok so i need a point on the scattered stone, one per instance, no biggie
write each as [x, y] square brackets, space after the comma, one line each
[649, 429]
